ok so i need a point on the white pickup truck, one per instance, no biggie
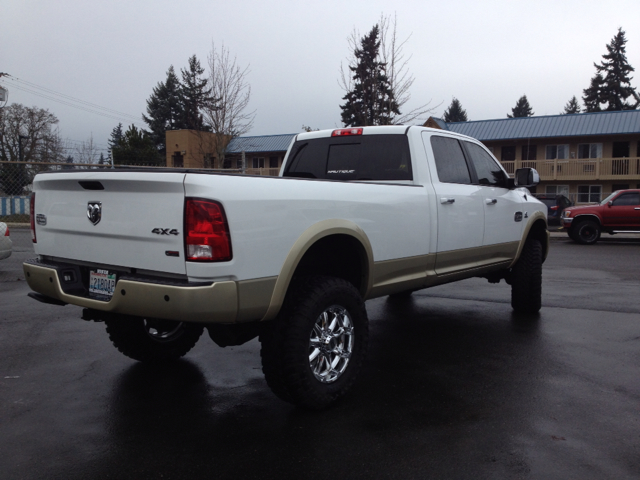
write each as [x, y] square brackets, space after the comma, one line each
[356, 213]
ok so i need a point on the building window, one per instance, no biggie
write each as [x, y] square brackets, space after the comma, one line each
[589, 193]
[620, 150]
[508, 154]
[557, 190]
[273, 162]
[226, 163]
[619, 186]
[258, 162]
[208, 161]
[590, 150]
[178, 160]
[559, 152]
[529, 152]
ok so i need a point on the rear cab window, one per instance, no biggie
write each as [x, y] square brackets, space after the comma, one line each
[382, 157]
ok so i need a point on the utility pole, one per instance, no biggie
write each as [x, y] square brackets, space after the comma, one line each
[20, 149]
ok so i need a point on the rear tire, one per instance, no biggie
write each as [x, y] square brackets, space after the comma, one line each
[313, 351]
[526, 279]
[152, 340]
[587, 232]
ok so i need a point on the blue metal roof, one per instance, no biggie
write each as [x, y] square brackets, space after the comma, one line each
[264, 143]
[576, 125]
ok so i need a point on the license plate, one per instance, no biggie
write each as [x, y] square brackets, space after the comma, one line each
[101, 282]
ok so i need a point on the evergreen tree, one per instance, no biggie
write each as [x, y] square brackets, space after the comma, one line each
[611, 86]
[371, 100]
[572, 106]
[136, 148]
[593, 95]
[194, 96]
[116, 137]
[522, 108]
[455, 112]
[102, 160]
[165, 110]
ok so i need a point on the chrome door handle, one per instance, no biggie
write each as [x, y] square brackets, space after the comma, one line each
[491, 201]
[447, 200]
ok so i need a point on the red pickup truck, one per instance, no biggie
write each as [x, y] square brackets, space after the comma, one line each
[618, 213]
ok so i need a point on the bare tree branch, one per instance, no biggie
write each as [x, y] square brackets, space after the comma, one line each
[87, 152]
[397, 69]
[231, 92]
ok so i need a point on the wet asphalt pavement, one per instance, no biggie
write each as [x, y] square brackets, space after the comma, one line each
[454, 387]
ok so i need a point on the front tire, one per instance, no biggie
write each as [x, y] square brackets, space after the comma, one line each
[152, 340]
[526, 279]
[313, 351]
[587, 232]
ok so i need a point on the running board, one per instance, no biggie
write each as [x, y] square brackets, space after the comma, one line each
[625, 231]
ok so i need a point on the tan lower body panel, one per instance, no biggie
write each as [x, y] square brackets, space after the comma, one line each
[415, 273]
[214, 303]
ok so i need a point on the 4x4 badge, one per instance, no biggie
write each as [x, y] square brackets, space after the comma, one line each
[94, 212]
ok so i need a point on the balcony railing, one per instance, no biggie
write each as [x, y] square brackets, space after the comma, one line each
[581, 169]
[271, 172]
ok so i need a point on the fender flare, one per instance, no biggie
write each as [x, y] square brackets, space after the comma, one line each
[304, 242]
[587, 216]
[535, 217]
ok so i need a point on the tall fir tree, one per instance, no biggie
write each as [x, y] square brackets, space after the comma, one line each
[592, 98]
[455, 112]
[611, 88]
[522, 108]
[165, 110]
[195, 94]
[116, 136]
[572, 106]
[371, 100]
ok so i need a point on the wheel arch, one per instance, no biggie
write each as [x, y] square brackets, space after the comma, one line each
[337, 248]
[586, 216]
[537, 229]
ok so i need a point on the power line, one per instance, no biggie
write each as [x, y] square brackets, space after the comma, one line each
[69, 100]
[73, 99]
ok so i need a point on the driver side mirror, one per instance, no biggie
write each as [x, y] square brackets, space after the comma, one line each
[526, 177]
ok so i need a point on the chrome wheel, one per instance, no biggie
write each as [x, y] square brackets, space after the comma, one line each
[331, 344]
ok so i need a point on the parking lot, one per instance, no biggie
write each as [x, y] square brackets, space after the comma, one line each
[455, 386]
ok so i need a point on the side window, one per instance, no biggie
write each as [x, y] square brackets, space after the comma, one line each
[450, 161]
[627, 199]
[489, 172]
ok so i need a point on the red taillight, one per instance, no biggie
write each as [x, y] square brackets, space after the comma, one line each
[346, 131]
[32, 215]
[6, 232]
[554, 208]
[206, 231]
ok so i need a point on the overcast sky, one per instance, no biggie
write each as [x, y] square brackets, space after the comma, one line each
[486, 54]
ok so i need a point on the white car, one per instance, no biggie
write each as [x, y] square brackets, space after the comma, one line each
[5, 242]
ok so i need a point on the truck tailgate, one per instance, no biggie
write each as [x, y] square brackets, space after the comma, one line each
[140, 224]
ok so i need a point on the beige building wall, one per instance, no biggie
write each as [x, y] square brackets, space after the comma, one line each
[191, 149]
[609, 176]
